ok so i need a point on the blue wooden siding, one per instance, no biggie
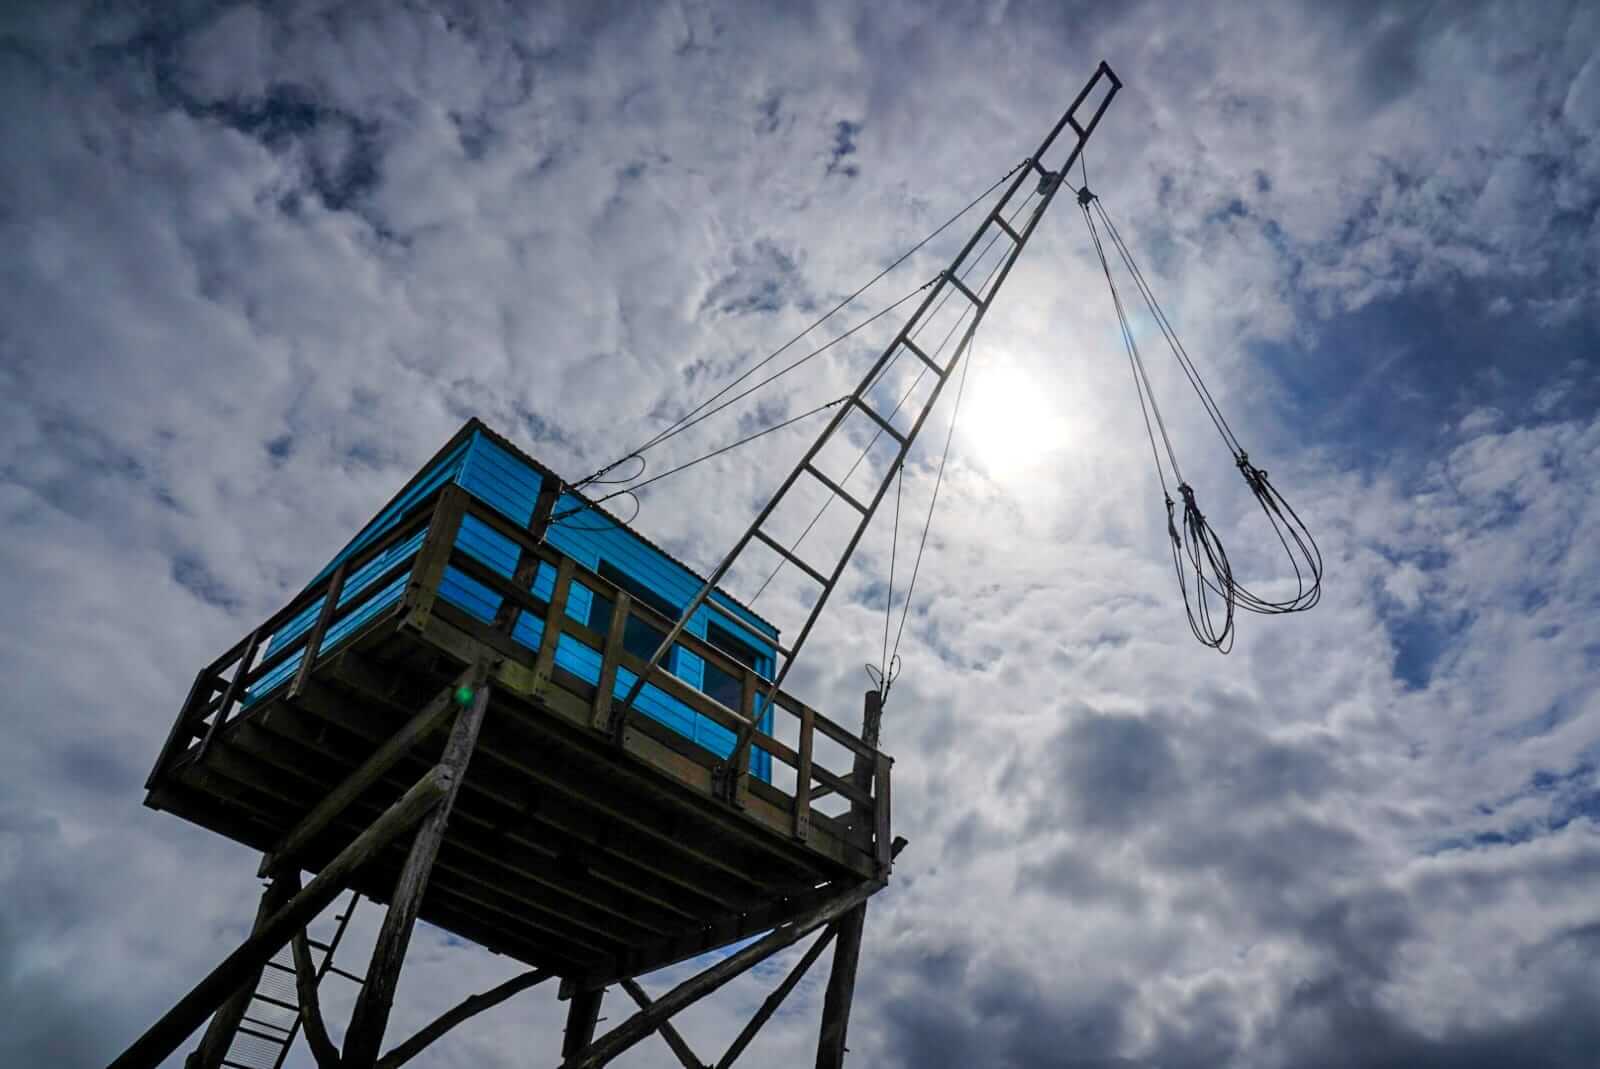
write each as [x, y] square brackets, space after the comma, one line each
[498, 478]
[358, 600]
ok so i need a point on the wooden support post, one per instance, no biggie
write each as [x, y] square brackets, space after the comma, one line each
[319, 630]
[393, 750]
[616, 634]
[371, 1015]
[774, 1000]
[641, 1024]
[544, 662]
[434, 556]
[675, 1040]
[163, 1037]
[841, 989]
[583, 1013]
[864, 825]
[225, 1022]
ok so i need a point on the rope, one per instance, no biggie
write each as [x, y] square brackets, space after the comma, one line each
[938, 481]
[1216, 592]
[629, 491]
[888, 600]
[688, 419]
[922, 371]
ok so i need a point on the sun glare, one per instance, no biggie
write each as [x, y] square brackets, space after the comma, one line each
[1009, 419]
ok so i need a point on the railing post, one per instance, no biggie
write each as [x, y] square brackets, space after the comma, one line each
[205, 685]
[749, 705]
[802, 782]
[434, 556]
[880, 800]
[544, 662]
[616, 634]
[330, 606]
[527, 569]
[235, 691]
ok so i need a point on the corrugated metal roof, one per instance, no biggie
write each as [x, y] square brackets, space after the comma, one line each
[477, 425]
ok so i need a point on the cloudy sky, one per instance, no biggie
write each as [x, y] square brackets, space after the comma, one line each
[259, 264]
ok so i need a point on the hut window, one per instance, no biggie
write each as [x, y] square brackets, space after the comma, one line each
[639, 638]
[724, 687]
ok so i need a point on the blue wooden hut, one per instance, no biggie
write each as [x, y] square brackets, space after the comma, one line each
[504, 478]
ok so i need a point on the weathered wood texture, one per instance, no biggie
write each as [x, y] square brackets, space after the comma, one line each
[163, 1037]
[674, 1040]
[837, 999]
[641, 1024]
[774, 1000]
[371, 1015]
[432, 716]
[465, 1010]
[840, 992]
[592, 854]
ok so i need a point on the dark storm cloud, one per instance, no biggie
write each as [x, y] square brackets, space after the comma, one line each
[1113, 772]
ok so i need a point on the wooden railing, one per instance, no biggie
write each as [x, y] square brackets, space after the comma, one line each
[222, 684]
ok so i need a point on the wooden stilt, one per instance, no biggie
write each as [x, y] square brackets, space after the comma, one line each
[371, 1015]
[841, 989]
[847, 951]
[641, 1024]
[680, 1047]
[466, 1008]
[583, 1013]
[163, 1037]
[774, 1000]
[395, 749]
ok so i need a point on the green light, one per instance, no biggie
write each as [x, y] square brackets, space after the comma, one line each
[463, 695]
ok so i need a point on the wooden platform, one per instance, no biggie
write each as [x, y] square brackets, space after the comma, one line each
[567, 848]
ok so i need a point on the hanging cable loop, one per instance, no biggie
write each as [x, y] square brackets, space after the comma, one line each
[1211, 600]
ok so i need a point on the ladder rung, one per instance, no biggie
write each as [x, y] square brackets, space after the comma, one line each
[924, 357]
[836, 488]
[888, 428]
[269, 1000]
[796, 561]
[265, 1024]
[281, 967]
[962, 286]
[347, 975]
[238, 1065]
[317, 943]
[262, 1035]
[1076, 128]
[1007, 227]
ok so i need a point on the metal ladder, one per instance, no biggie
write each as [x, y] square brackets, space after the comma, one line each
[272, 1020]
[948, 284]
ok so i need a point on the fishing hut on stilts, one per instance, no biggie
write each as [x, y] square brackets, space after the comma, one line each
[502, 710]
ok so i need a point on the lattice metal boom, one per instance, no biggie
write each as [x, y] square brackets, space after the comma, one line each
[949, 280]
